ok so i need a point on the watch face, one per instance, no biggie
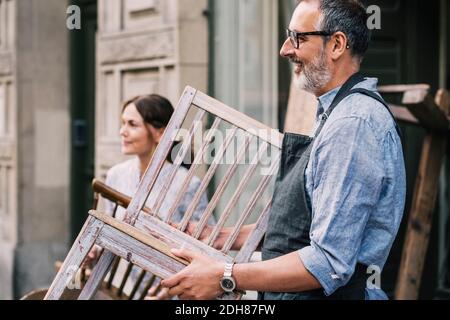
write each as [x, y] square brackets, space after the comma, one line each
[228, 284]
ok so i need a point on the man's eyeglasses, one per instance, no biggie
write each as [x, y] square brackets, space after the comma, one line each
[298, 37]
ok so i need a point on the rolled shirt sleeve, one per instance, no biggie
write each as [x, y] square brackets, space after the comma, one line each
[347, 175]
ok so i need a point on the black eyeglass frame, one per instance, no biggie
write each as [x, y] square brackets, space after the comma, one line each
[295, 36]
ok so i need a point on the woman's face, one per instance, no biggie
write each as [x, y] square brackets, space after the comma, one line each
[137, 137]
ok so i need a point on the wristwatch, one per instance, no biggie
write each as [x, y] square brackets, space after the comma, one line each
[227, 283]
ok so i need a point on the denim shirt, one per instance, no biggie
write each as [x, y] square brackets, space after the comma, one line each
[356, 184]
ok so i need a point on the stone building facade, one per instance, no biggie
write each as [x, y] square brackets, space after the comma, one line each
[61, 93]
[34, 131]
[145, 46]
[138, 50]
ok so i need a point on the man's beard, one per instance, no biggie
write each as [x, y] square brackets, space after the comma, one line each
[314, 76]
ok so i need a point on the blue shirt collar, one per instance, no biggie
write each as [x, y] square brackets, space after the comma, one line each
[326, 100]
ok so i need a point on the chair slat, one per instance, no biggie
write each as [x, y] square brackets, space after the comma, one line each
[251, 205]
[207, 179]
[137, 284]
[125, 279]
[194, 167]
[222, 187]
[253, 241]
[147, 287]
[113, 272]
[237, 194]
[179, 160]
[116, 207]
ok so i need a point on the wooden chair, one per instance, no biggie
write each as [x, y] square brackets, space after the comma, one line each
[146, 236]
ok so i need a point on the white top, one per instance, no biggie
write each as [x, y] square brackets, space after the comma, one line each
[125, 178]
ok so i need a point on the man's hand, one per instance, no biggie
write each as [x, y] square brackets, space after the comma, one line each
[198, 281]
[206, 233]
[222, 237]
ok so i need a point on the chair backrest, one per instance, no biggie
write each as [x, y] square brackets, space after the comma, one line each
[242, 149]
[146, 239]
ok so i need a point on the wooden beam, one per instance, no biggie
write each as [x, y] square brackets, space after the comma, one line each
[402, 88]
[421, 216]
[425, 109]
[403, 114]
[424, 201]
[443, 100]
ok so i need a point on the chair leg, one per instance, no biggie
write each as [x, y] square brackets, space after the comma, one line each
[98, 274]
[75, 258]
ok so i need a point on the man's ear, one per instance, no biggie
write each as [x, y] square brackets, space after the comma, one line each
[339, 45]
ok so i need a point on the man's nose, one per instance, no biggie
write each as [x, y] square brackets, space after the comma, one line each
[287, 49]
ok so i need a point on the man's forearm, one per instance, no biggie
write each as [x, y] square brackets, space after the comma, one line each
[284, 274]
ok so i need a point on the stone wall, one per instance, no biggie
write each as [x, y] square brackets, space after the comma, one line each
[8, 148]
[143, 47]
[34, 89]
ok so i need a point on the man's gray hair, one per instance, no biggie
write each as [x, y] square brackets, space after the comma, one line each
[349, 17]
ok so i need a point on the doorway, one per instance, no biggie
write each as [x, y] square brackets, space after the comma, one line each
[82, 67]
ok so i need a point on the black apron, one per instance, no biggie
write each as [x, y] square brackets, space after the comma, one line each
[290, 218]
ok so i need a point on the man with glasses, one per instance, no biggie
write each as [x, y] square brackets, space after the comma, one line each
[340, 194]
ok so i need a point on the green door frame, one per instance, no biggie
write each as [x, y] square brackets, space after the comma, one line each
[82, 64]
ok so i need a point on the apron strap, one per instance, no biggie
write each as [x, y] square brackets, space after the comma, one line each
[380, 100]
[342, 93]
[345, 91]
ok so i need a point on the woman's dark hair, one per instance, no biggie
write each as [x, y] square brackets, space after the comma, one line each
[154, 109]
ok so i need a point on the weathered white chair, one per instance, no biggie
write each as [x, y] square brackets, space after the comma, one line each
[145, 239]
